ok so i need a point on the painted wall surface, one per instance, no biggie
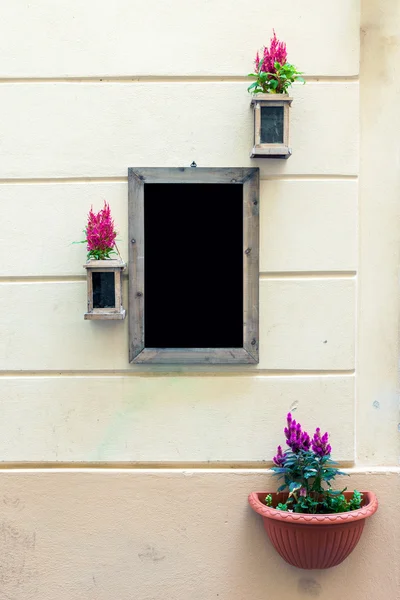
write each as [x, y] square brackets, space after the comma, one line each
[177, 534]
[90, 89]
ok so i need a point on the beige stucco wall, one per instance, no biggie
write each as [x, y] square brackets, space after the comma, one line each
[89, 89]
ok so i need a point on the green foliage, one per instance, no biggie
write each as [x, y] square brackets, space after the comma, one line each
[274, 83]
[268, 500]
[308, 478]
[356, 501]
[335, 502]
[97, 254]
[100, 254]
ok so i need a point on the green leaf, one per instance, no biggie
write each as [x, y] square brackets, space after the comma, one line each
[268, 500]
[336, 492]
[294, 486]
[356, 501]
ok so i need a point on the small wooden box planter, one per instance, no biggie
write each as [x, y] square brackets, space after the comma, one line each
[271, 126]
[104, 289]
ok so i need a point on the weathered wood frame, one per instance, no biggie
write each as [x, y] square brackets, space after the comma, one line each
[105, 266]
[271, 150]
[249, 178]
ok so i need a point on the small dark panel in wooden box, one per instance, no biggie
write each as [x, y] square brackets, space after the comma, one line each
[103, 290]
[271, 125]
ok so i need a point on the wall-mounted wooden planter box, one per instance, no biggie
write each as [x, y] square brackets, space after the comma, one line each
[271, 126]
[104, 289]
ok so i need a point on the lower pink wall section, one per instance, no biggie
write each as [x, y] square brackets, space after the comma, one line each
[172, 535]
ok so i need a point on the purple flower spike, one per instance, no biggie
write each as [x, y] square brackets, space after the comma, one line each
[320, 446]
[296, 439]
[279, 459]
[305, 441]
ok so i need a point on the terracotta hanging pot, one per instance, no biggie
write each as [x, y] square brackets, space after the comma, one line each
[313, 541]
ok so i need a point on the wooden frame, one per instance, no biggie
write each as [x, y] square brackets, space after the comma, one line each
[249, 178]
[105, 266]
[270, 150]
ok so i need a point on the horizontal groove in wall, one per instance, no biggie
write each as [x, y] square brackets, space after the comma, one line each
[337, 79]
[24, 279]
[167, 371]
[123, 179]
[62, 180]
[166, 468]
[271, 275]
[310, 177]
[214, 466]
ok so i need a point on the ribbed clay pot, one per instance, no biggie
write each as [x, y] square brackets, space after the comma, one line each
[313, 541]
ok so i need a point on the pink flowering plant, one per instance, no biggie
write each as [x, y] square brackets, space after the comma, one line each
[308, 472]
[273, 73]
[100, 234]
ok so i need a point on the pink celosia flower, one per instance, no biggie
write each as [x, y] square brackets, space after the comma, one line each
[275, 53]
[100, 233]
[272, 71]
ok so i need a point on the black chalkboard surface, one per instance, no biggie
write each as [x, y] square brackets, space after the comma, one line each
[193, 266]
[193, 275]
[103, 289]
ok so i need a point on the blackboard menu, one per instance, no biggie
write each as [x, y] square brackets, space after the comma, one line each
[193, 290]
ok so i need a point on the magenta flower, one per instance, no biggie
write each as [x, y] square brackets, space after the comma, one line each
[100, 233]
[279, 459]
[275, 53]
[307, 472]
[273, 73]
[320, 445]
[296, 439]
